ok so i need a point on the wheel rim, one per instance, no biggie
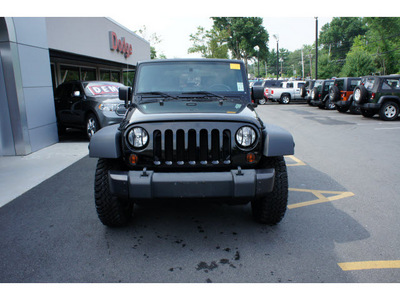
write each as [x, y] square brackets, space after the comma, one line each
[91, 127]
[390, 111]
[357, 93]
[262, 101]
[331, 105]
[285, 100]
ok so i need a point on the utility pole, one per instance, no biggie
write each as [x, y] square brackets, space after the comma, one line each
[316, 47]
[277, 55]
[302, 63]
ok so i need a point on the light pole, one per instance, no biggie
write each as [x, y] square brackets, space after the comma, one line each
[258, 59]
[277, 55]
[316, 47]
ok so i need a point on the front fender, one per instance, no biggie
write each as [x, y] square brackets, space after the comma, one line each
[277, 141]
[106, 142]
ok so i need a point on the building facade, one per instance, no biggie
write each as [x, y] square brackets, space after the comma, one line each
[38, 54]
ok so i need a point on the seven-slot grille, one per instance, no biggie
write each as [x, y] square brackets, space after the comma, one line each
[204, 146]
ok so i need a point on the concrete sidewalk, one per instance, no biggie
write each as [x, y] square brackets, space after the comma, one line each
[19, 174]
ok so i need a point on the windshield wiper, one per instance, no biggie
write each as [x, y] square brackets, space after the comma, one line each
[206, 94]
[163, 95]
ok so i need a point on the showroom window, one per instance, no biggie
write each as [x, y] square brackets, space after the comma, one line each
[69, 73]
[88, 74]
[109, 75]
[128, 77]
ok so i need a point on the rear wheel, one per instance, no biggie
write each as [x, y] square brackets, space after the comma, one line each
[285, 99]
[367, 113]
[111, 210]
[262, 101]
[270, 209]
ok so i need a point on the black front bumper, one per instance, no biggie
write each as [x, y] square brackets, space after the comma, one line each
[234, 184]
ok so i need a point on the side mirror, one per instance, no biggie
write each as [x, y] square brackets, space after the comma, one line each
[125, 93]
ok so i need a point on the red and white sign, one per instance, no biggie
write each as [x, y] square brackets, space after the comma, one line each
[103, 89]
[120, 45]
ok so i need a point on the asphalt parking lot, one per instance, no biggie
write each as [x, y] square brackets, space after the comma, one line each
[341, 224]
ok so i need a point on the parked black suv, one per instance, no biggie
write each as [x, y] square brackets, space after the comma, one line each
[379, 94]
[320, 94]
[191, 132]
[341, 93]
[88, 105]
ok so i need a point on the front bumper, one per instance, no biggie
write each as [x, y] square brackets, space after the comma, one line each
[156, 185]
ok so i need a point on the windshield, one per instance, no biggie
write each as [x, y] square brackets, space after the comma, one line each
[102, 89]
[182, 77]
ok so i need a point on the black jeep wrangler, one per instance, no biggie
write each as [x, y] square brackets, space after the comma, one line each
[341, 94]
[191, 131]
[320, 94]
[379, 94]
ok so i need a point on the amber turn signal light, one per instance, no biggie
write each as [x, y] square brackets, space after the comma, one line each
[251, 157]
[133, 159]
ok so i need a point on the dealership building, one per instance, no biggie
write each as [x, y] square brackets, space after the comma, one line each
[38, 54]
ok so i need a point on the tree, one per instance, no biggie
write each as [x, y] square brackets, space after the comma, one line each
[209, 43]
[383, 41]
[154, 39]
[242, 35]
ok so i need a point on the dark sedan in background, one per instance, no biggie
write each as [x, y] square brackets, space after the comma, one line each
[88, 105]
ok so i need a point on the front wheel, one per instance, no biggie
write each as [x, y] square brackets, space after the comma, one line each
[389, 111]
[270, 209]
[92, 125]
[111, 210]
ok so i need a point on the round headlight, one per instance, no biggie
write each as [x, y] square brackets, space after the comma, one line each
[246, 136]
[138, 137]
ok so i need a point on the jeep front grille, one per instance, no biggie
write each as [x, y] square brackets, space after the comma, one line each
[192, 147]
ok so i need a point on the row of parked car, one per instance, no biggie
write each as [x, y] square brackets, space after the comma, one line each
[369, 95]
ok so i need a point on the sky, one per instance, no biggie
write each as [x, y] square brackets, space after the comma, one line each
[174, 32]
[174, 20]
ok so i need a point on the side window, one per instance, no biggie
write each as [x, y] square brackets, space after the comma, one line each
[354, 83]
[290, 85]
[300, 84]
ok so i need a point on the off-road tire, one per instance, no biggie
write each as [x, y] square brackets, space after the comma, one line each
[111, 210]
[334, 93]
[360, 94]
[342, 109]
[329, 105]
[303, 92]
[367, 113]
[270, 209]
[389, 111]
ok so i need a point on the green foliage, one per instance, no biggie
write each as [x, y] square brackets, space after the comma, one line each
[209, 43]
[348, 46]
[243, 35]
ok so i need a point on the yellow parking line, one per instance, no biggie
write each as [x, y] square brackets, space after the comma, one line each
[368, 265]
[298, 161]
[320, 197]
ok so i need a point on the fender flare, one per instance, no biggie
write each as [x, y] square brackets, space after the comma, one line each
[277, 141]
[106, 142]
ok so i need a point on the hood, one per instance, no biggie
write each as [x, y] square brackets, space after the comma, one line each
[245, 115]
